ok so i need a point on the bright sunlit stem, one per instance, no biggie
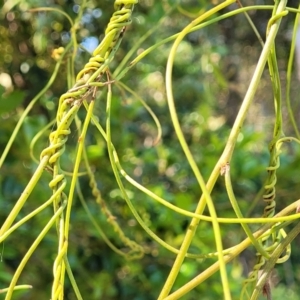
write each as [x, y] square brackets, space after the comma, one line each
[192, 228]
[234, 253]
[76, 166]
[30, 252]
[24, 196]
[228, 151]
[239, 214]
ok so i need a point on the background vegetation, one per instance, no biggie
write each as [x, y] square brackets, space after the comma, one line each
[211, 74]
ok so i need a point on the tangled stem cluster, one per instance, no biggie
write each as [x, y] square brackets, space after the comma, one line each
[87, 82]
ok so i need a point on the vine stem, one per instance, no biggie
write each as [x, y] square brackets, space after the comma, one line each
[289, 75]
[192, 228]
[30, 252]
[239, 214]
[274, 258]
[228, 151]
[27, 191]
[31, 105]
[234, 253]
[121, 74]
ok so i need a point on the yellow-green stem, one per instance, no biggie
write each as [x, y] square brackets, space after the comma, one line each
[227, 153]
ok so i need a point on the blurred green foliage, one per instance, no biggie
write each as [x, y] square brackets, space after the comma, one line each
[210, 76]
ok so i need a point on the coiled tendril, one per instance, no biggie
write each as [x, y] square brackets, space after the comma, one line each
[87, 81]
[274, 236]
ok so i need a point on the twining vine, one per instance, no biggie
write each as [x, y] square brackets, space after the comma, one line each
[271, 241]
[88, 81]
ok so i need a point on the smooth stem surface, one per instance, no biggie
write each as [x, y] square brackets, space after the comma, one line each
[24, 196]
[273, 260]
[30, 252]
[76, 168]
[194, 223]
[115, 167]
[147, 107]
[228, 151]
[29, 216]
[234, 253]
[31, 104]
[17, 287]
[72, 280]
[239, 214]
[202, 25]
